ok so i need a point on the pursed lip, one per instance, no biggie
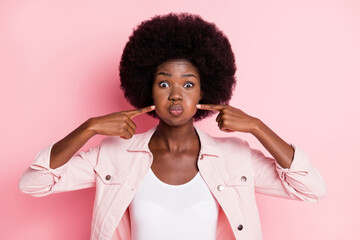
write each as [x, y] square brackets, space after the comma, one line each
[176, 109]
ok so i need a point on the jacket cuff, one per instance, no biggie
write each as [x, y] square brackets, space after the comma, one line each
[42, 162]
[299, 165]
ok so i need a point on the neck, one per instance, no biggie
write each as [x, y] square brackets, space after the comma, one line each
[175, 138]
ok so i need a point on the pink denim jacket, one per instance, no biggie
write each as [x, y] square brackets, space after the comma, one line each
[231, 169]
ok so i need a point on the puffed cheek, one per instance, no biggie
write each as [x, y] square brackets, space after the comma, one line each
[194, 110]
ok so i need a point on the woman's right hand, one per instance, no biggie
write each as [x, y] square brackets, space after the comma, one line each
[114, 124]
[118, 123]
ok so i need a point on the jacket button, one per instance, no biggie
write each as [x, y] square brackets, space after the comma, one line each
[243, 179]
[240, 227]
[220, 187]
[107, 177]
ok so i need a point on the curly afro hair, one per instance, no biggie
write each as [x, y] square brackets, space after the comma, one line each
[178, 36]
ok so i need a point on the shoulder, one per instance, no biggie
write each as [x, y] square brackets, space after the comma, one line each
[222, 144]
[138, 143]
[231, 147]
[233, 155]
[118, 153]
[226, 143]
[115, 141]
[120, 144]
[231, 142]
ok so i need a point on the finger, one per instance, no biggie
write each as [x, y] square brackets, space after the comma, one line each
[130, 129]
[228, 130]
[137, 112]
[220, 123]
[219, 116]
[130, 123]
[211, 107]
[126, 134]
[222, 127]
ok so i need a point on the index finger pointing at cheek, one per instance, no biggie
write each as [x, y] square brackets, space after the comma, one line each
[211, 107]
[140, 111]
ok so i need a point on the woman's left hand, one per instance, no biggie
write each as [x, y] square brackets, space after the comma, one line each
[231, 119]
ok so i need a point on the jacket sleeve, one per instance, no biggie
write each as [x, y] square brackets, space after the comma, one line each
[300, 181]
[78, 173]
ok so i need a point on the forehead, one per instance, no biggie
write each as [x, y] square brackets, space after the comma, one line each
[177, 65]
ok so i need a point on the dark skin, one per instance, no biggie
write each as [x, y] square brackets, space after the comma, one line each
[175, 145]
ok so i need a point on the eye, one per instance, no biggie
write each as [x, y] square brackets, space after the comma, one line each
[164, 84]
[188, 85]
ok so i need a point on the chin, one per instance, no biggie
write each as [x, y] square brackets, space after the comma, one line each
[176, 121]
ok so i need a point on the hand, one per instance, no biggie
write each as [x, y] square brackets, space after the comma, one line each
[231, 119]
[119, 123]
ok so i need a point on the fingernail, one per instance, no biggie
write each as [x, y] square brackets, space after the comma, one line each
[153, 107]
[198, 105]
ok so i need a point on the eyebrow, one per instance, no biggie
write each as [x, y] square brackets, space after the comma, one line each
[183, 75]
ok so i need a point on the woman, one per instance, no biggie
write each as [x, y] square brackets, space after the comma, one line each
[175, 181]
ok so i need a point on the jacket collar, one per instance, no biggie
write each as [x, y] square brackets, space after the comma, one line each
[208, 144]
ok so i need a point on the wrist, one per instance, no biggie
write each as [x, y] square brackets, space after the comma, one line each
[257, 127]
[89, 127]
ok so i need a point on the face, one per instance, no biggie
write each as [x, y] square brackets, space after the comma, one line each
[176, 91]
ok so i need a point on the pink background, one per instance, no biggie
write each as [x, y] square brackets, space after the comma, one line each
[298, 71]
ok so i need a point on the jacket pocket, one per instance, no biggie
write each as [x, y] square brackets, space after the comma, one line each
[242, 181]
[109, 175]
[239, 177]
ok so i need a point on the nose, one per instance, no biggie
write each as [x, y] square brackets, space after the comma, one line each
[175, 95]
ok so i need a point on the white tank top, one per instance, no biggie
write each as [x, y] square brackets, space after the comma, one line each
[161, 211]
